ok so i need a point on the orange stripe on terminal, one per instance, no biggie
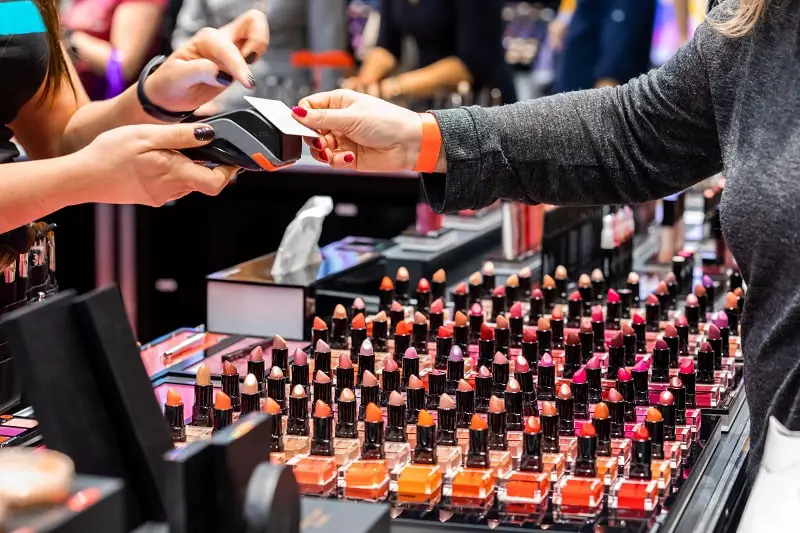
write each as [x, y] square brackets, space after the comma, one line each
[264, 163]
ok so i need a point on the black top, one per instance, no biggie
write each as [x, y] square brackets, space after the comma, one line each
[24, 55]
[472, 30]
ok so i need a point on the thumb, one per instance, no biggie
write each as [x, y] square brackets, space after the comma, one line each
[177, 136]
[341, 120]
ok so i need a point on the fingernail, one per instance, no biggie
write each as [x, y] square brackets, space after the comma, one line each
[300, 111]
[317, 143]
[348, 158]
[224, 78]
[250, 58]
[323, 156]
[204, 133]
[251, 81]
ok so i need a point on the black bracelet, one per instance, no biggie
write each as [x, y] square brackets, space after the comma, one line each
[149, 107]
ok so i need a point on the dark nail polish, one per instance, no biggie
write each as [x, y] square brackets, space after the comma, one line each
[251, 81]
[250, 58]
[224, 78]
[204, 133]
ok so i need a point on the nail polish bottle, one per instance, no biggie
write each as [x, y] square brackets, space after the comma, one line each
[278, 454]
[638, 492]
[661, 361]
[402, 339]
[390, 375]
[380, 332]
[555, 462]
[323, 388]
[502, 335]
[448, 449]
[437, 384]
[338, 333]
[572, 355]
[620, 445]
[173, 413]
[319, 332]
[455, 368]
[474, 486]
[557, 328]
[230, 385]
[257, 367]
[660, 465]
[536, 305]
[625, 387]
[280, 355]
[652, 309]
[420, 483]
[366, 359]
[424, 295]
[498, 302]
[516, 324]
[530, 347]
[714, 338]
[401, 285]
[251, 397]
[358, 307]
[436, 321]
[397, 448]
[300, 369]
[629, 340]
[639, 327]
[370, 393]
[682, 329]
[587, 294]
[664, 300]
[580, 393]
[461, 332]
[346, 444]
[419, 333]
[297, 440]
[276, 387]
[547, 378]
[444, 344]
[616, 356]
[613, 309]
[524, 377]
[345, 374]
[529, 486]
[316, 473]
[499, 374]
[476, 330]
[499, 456]
[608, 463]
[641, 388]
[483, 389]
[358, 336]
[410, 365]
[203, 398]
[574, 309]
[586, 340]
[581, 494]
[459, 297]
[593, 380]
[322, 357]
[544, 335]
[599, 329]
[368, 477]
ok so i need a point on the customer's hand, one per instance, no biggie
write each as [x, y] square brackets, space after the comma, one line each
[139, 165]
[210, 61]
[556, 33]
[361, 131]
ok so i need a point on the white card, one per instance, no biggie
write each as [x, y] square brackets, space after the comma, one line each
[281, 116]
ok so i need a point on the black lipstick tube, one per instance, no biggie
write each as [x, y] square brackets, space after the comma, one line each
[550, 443]
[475, 322]
[585, 463]
[396, 427]
[664, 301]
[410, 368]
[661, 365]
[599, 330]
[626, 300]
[465, 406]
[317, 335]
[280, 358]
[502, 339]
[322, 441]
[177, 425]
[536, 309]
[656, 431]
[437, 384]
[652, 317]
[425, 450]
[626, 389]
[531, 460]
[439, 289]
[580, 393]
[485, 353]
[401, 291]
[222, 418]
[276, 429]
[514, 411]
[345, 379]
[322, 361]
[455, 373]
[373, 441]
[636, 301]
[380, 335]
[300, 376]
[419, 337]
[461, 338]
[395, 317]
[490, 282]
[443, 347]
[297, 423]
[557, 327]
[594, 385]
[251, 403]
[613, 314]
[566, 416]
[500, 374]
[230, 386]
[276, 389]
[530, 406]
[424, 299]
[547, 382]
[498, 306]
[587, 346]
[603, 428]
[550, 295]
[545, 339]
[475, 293]
[668, 414]
[323, 391]
[725, 334]
[641, 394]
[561, 289]
[640, 330]
[401, 344]
[515, 325]
[530, 351]
[702, 309]
[368, 395]
[338, 335]
[572, 360]
[357, 338]
[574, 313]
[416, 403]
[689, 381]
[616, 360]
[346, 427]
[366, 362]
[483, 391]
[733, 318]
[446, 431]
[512, 295]
[673, 344]
[679, 394]
[498, 432]
[258, 369]
[460, 302]
[693, 318]
[616, 413]
[524, 285]
[705, 367]
[640, 462]
[716, 346]
[683, 340]
[629, 347]
[478, 452]
[385, 298]
[587, 298]
[391, 382]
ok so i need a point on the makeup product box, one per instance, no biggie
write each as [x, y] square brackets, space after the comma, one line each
[334, 516]
[247, 299]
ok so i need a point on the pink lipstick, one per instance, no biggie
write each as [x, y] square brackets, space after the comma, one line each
[613, 309]
[687, 376]
[436, 320]
[366, 359]
[678, 392]
[498, 301]
[547, 378]
[475, 322]
[483, 389]
[641, 394]
[599, 328]
[524, 377]
[625, 387]
[580, 393]
[391, 379]
[708, 284]
[300, 369]
[593, 380]
[516, 324]
[536, 305]
[499, 374]
[489, 277]
[410, 365]
[661, 360]
[640, 330]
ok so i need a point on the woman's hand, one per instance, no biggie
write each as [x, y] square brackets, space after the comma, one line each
[361, 131]
[139, 165]
[210, 61]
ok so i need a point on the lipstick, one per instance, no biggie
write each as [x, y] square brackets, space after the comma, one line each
[501, 335]
[682, 328]
[345, 374]
[516, 324]
[537, 305]
[574, 309]
[437, 384]
[323, 388]
[666, 404]
[732, 310]
[478, 453]
[702, 304]
[380, 331]
[373, 434]
[530, 346]
[276, 425]
[230, 384]
[616, 409]
[641, 393]
[705, 364]
[585, 463]
[425, 450]
[280, 355]
[512, 290]
[625, 386]
[724, 331]
[678, 392]
[483, 389]
[692, 310]
[489, 277]
[613, 309]
[173, 413]
[598, 285]
[633, 286]
[500, 373]
[586, 338]
[396, 417]
[436, 321]
[708, 284]
[599, 328]
[672, 289]
[460, 302]
[401, 285]
[461, 332]
[397, 316]
[386, 293]
[251, 397]
[561, 283]
[524, 276]
[498, 424]
[664, 300]
[616, 355]
[322, 357]
[572, 355]
[257, 367]
[580, 393]
[370, 393]
[300, 369]
[402, 339]
[446, 414]
[475, 287]
[322, 441]
[652, 310]
[498, 301]
[410, 365]
[465, 403]
[547, 378]
[358, 334]
[531, 460]
[585, 288]
[602, 427]
[557, 328]
[640, 330]
[346, 410]
[416, 399]
[524, 377]
[486, 346]
[297, 422]
[391, 379]
[338, 334]
[629, 340]
[276, 387]
[319, 332]
[223, 411]
[593, 380]
[203, 398]
[654, 423]
[550, 294]
[673, 345]
[419, 333]
[514, 405]
[424, 296]
[455, 368]
[544, 335]
[439, 284]
[565, 405]
[661, 361]
[687, 377]
[475, 322]
[714, 338]
[549, 422]
[642, 454]
[358, 307]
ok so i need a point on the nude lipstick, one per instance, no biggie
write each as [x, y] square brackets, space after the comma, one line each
[439, 284]
[460, 302]
[173, 412]
[446, 415]
[297, 422]
[544, 336]
[397, 316]
[396, 418]
[550, 293]
[489, 277]
[323, 388]
[629, 340]
[625, 386]
[561, 283]
[598, 285]
[223, 411]
[587, 294]
[370, 393]
[257, 367]
[345, 374]
[475, 287]
[616, 409]
[415, 394]
[437, 385]
[524, 276]
[203, 398]
[346, 424]
[358, 333]
[513, 402]
[500, 374]
[732, 310]
[401, 285]
[380, 332]
[300, 369]
[512, 290]
[498, 424]
[322, 357]
[461, 332]
[391, 379]
[251, 397]
[280, 355]
[633, 286]
[547, 378]
[338, 333]
[549, 422]
[436, 323]
[565, 405]
[419, 333]
[276, 387]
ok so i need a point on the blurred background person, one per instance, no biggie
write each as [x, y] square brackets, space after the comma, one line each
[456, 40]
[314, 25]
[111, 41]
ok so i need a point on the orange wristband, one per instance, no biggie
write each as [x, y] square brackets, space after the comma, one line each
[431, 144]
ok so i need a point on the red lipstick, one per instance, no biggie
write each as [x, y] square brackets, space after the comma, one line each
[613, 309]
[516, 324]
[705, 364]
[530, 346]
[572, 355]
[424, 295]
[661, 357]
[642, 454]
[486, 346]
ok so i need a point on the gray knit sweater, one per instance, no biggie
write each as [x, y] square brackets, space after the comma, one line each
[720, 104]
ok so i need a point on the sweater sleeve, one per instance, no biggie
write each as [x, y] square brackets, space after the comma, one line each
[647, 139]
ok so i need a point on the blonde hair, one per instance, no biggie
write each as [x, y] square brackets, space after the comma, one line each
[744, 19]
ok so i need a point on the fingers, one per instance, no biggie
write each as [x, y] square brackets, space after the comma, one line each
[175, 136]
[251, 32]
[218, 46]
[342, 159]
[209, 181]
[204, 71]
[338, 99]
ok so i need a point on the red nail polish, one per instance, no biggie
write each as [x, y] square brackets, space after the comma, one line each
[348, 158]
[299, 111]
[317, 144]
[323, 156]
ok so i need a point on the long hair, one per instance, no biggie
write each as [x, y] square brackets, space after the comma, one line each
[744, 19]
[57, 64]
